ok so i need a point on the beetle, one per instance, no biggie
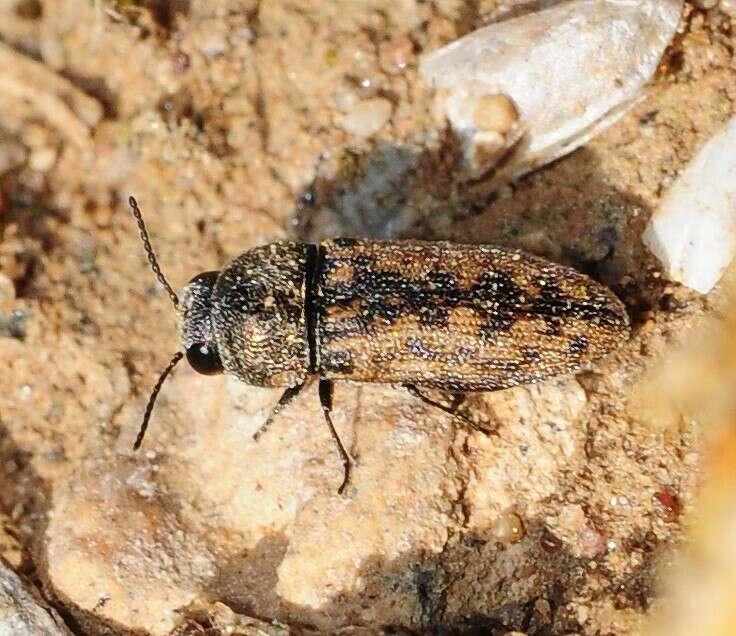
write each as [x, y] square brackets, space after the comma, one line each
[420, 314]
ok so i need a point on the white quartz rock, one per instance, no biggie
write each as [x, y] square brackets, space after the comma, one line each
[571, 70]
[21, 613]
[693, 232]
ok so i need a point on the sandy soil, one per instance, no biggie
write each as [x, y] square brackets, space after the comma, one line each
[226, 119]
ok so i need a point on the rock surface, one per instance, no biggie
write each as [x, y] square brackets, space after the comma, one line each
[225, 123]
[21, 612]
[693, 232]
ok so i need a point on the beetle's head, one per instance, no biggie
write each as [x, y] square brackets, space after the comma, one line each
[197, 331]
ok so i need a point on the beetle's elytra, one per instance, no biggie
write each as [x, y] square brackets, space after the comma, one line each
[420, 314]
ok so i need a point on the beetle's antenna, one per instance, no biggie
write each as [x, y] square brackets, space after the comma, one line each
[149, 251]
[152, 400]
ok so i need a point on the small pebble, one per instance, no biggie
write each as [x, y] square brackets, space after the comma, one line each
[214, 45]
[12, 155]
[7, 292]
[181, 62]
[550, 543]
[543, 608]
[691, 459]
[592, 542]
[29, 9]
[582, 613]
[42, 159]
[396, 54]
[668, 302]
[367, 117]
[667, 505]
[17, 511]
[344, 98]
[13, 325]
[52, 51]
[495, 113]
[35, 136]
[509, 528]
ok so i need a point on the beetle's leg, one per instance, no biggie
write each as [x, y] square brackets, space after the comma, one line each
[451, 410]
[325, 399]
[287, 396]
[457, 400]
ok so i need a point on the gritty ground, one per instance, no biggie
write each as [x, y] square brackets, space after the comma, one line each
[227, 121]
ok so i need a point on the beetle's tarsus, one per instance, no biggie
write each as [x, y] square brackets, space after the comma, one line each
[450, 410]
[325, 399]
[287, 396]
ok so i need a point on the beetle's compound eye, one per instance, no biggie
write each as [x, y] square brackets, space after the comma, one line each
[204, 359]
[206, 278]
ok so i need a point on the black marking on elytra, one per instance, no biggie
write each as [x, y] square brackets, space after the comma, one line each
[578, 345]
[347, 327]
[530, 354]
[337, 362]
[384, 296]
[501, 299]
[553, 302]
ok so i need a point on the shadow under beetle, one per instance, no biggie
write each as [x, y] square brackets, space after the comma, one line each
[419, 314]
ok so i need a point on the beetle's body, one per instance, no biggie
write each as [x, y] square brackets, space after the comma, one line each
[415, 313]
[432, 314]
